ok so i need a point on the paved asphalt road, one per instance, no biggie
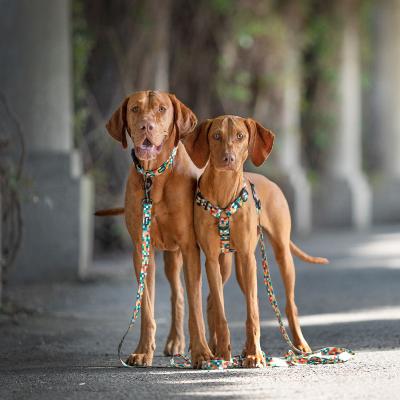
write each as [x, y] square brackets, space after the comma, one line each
[65, 346]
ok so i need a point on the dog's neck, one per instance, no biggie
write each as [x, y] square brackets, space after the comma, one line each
[219, 187]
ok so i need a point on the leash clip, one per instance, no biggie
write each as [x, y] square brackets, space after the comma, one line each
[147, 184]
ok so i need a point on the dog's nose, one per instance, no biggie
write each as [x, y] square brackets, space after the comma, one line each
[147, 126]
[229, 158]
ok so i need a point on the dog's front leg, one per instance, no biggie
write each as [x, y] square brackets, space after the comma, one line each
[192, 270]
[176, 337]
[225, 262]
[143, 355]
[252, 351]
[215, 282]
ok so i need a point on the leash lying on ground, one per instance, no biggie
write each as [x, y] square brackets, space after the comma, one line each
[147, 204]
[327, 355]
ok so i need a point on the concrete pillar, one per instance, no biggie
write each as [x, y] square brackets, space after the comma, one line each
[35, 77]
[283, 117]
[385, 112]
[343, 195]
[292, 174]
[1, 256]
[162, 29]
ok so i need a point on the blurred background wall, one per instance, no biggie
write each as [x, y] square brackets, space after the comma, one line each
[324, 76]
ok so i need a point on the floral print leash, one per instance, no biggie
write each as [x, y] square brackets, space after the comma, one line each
[147, 204]
[295, 356]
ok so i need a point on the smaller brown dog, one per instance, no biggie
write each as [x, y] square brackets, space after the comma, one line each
[225, 143]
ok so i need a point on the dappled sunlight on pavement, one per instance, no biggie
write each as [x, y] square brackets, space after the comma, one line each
[378, 314]
[66, 338]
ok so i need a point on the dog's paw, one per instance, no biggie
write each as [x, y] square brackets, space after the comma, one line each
[254, 361]
[212, 344]
[199, 355]
[303, 346]
[223, 353]
[175, 345]
[140, 359]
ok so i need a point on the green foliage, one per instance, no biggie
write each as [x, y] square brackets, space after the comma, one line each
[222, 6]
[237, 88]
[255, 31]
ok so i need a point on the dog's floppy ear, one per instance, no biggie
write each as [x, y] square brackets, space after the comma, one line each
[116, 126]
[184, 118]
[197, 145]
[260, 143]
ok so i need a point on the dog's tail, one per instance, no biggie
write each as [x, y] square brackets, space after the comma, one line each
[306, 257]
[110, 211]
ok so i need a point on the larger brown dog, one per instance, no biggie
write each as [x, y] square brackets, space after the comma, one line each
[156, 122]
[225, 143]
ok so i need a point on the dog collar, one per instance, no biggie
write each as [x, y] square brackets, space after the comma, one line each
[149, 174]
[157, 171]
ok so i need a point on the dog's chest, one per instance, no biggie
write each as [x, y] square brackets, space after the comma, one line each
[165, 221]
[243, 230]
[162, 236]
[240, 230]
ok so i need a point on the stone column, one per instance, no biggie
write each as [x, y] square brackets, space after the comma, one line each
[162, 18]
[1, 256]
[283, 117]
[385, 112]
[292, 174]
[35, 76]
[343, 195]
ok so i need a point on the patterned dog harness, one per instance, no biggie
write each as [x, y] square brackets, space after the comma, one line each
[223, 215]
[147, 205]
[295, 356]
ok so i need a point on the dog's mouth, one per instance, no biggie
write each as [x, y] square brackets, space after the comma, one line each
[226, 166]
[147, 150]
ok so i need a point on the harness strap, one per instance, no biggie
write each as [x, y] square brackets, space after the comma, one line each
[223, 215]
[147, 205]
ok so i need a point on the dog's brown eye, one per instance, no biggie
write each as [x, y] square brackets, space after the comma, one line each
[135, 109]
[240, 135]
[162, 109]
[217, 136]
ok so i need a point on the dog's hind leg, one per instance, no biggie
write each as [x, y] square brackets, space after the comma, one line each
[283, 255]
[176, 338]
[276, 221]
